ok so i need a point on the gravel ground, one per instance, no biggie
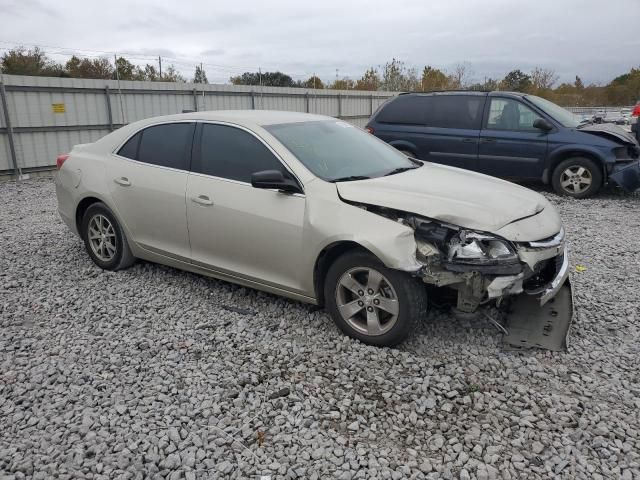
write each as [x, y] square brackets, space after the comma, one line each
[157, 373]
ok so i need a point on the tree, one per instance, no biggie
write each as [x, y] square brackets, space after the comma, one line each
[433, 79]
[200, 76]
[20, 61]
[396, 76]
[125, 69]
[172, 75]
[369, 81]
[516, 81]
[269, 79]
[459, 78]
[342, 84]
[312, 82]
[578, 83]
[543, 78]
[89, 68]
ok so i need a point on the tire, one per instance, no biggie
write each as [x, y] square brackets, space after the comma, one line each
[354, 269]
[569, 177]
[109, 251]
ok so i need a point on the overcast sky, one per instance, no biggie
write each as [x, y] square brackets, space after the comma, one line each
[596, 39]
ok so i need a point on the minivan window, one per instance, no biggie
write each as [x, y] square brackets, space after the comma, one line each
[167, 145]
[509, 114]
[407, 109]
[565, 117]
[455, 111]
[231, 153]
[337, 151]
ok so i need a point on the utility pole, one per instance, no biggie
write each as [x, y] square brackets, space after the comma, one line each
[160, 66]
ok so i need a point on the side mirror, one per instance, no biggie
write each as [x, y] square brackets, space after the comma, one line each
[542, 124]
[274, 179]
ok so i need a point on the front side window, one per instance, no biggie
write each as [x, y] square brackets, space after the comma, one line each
[231, 153]
[166, 145]
[509, 114]
[337, 151]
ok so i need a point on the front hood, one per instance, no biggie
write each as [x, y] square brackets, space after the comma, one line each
[610, 131]
[450, 195]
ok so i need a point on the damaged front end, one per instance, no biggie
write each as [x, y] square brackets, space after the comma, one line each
[527, 281]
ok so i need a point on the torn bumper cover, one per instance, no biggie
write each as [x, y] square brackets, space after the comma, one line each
[543, 320]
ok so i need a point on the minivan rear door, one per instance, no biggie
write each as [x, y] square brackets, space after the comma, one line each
[510, 146]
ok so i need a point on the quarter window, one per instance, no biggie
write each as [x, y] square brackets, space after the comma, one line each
[166, 145]
[130, 149]
[406, 109]
[228, 152]
[508, 114]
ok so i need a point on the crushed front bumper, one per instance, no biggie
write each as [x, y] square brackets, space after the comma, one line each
[542, 320]
[627, 176]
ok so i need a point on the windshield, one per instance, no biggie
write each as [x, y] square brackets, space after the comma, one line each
[559, 114]
[337, 151]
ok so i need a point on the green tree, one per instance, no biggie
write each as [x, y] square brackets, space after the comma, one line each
[89, 68]
[396, 77]
[342, 84]
[269, 79]
[172, 75]
[200, 76]
[312, 82]
[516, 81]
[433, 79]
[125, 69]
[20, 61]
[370, 81]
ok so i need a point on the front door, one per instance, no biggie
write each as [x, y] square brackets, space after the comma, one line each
[147, 179]
[237, 229]
[510, 146]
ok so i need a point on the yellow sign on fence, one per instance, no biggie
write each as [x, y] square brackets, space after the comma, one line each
[58, 107]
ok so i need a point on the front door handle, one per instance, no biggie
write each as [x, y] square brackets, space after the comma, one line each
[124, 181]
[488, 140]
[202, 200]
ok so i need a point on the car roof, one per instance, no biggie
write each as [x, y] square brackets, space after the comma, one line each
[241, 117]
[466, 92]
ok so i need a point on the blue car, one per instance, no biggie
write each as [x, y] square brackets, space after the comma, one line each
[510, 135]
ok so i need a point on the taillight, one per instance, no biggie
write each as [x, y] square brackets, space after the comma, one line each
[636, 111]
[369, 129]
[61, 159]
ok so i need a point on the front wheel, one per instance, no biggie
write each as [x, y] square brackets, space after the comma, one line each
[372, 303]
[577, 177]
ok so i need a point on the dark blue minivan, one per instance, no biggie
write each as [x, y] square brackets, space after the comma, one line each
[510, 135]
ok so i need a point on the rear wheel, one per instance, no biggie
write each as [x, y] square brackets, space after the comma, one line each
[373, 303]
[577, 177]
[104, 238]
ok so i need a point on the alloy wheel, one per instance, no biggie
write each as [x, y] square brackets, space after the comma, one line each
[102, 238]
[576, 179]
[367, 301]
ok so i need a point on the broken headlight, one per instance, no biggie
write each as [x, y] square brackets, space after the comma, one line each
[480, 249]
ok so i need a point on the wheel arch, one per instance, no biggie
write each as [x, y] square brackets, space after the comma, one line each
[570, 152]
[324, 260]
[404, 145]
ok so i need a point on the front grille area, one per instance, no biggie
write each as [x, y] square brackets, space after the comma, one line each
[544, 273]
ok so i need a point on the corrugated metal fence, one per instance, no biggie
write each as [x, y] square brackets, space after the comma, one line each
[42, 117]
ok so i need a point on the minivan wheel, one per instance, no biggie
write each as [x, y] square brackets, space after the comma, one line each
[577, 177]
[373, 303]
[104, 238]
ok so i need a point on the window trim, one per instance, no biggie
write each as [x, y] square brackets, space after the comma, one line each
[197, 144]
[487, 112]
[115, 151]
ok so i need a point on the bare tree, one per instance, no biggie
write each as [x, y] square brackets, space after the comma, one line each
[461, 76]
[543, 78]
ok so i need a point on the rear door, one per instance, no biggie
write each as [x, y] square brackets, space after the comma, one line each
[234, 228]
[509, 144]
[147, 181]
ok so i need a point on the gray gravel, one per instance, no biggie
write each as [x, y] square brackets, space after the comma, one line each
[157, 373]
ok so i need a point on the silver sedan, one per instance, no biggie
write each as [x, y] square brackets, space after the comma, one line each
[317, 210]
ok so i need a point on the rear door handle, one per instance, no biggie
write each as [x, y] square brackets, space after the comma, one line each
[124, 181]
[470, 140]
[202, 200]
[488, 140]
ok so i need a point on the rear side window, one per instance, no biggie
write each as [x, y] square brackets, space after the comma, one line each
[455, 111]
[167, 145]
[130, 149]
[232, 153]
[407, 109]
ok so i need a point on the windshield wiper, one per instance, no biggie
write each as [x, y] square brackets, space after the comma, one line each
[350, 178]
[400, 170]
